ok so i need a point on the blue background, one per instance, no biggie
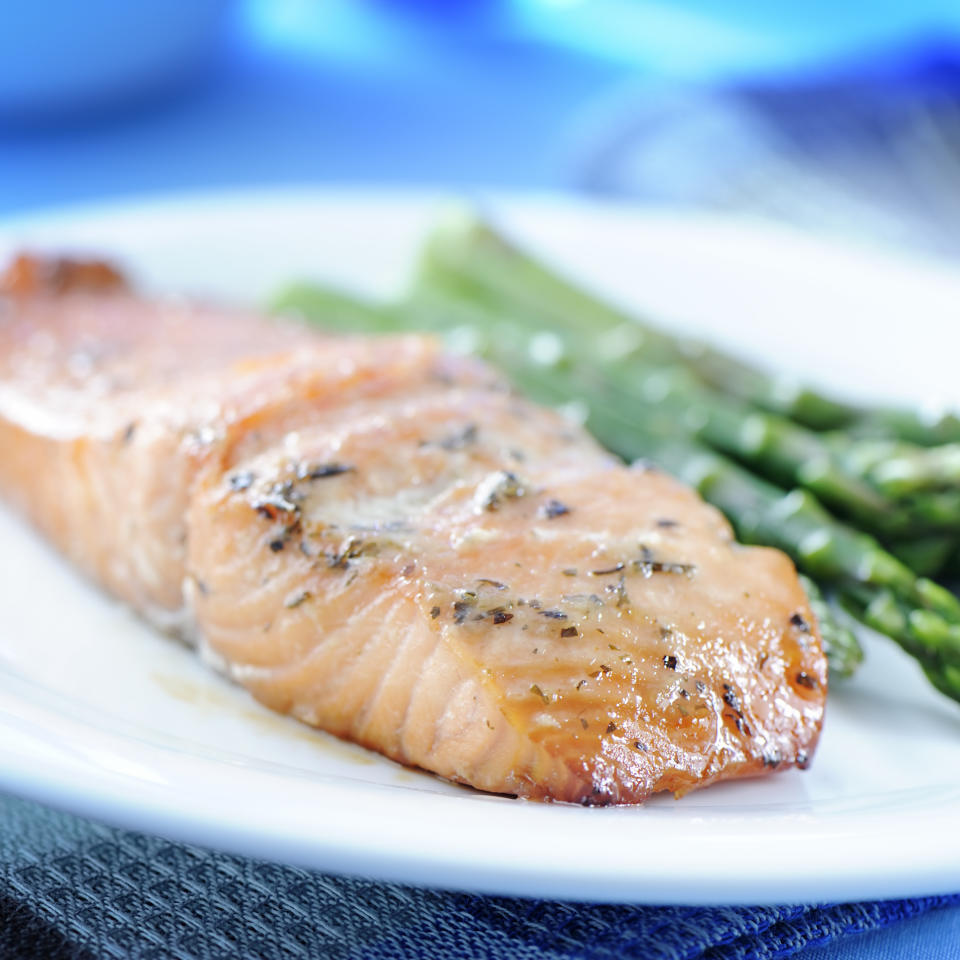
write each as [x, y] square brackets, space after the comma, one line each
[507, 92]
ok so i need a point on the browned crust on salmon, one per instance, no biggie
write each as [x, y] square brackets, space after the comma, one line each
[387, 543]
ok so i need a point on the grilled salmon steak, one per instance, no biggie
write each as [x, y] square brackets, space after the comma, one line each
[384, 541]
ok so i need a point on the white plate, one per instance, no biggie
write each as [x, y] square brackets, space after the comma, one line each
[103, 717]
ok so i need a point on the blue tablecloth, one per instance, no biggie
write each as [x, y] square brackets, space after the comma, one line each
[72, 888]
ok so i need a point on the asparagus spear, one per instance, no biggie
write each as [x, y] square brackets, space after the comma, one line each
[783, 452]
[932, 642]
[901, 469]
[818, 411]
[477, 261]
[927, 556]
[334, 309]
[841, 646]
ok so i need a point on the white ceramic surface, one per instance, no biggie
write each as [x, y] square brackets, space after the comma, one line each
[101, 716]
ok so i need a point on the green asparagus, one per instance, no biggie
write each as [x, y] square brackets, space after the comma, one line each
[843, 650]
[476, 261]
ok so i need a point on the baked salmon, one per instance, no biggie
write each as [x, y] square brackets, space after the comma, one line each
[384, 541]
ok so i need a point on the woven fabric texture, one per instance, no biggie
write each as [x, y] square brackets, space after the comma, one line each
[73, 889]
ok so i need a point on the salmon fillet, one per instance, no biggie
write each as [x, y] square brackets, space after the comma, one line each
[384, 541]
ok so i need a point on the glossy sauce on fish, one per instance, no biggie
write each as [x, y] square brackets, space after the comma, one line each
[386, 542]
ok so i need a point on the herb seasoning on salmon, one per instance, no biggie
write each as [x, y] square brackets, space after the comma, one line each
[343, 526]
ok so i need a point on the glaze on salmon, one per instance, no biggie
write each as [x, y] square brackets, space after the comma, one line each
[387, 543]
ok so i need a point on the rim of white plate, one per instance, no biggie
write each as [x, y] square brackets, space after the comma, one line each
[754, 855]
